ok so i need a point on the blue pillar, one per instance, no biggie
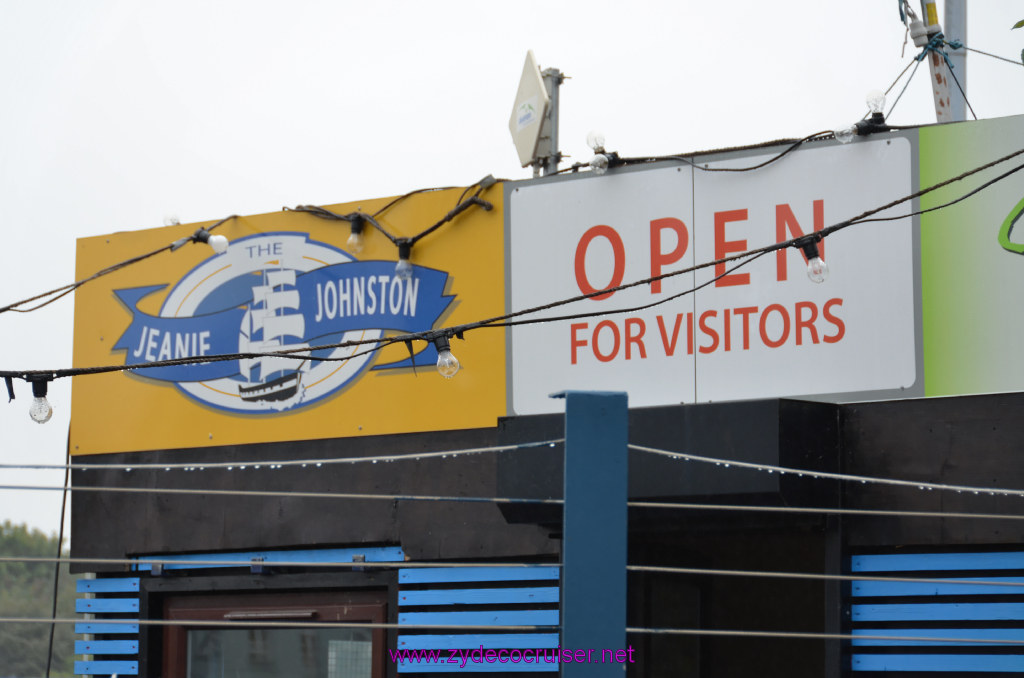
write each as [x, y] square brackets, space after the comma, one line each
[594, 532]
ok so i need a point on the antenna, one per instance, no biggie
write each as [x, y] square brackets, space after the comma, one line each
[534, 120]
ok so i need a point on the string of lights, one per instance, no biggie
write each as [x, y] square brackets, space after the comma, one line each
[282, 463]
[707, 168]
[358, 219]
[440, 337]
[202, 234]
[828, 475]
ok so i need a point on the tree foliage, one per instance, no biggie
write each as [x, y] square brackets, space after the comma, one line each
[26, 590]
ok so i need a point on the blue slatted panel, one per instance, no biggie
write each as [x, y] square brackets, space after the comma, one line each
[118, 626]
[106, 647]
[965, 635]
[479, 596]
[377, 554]
[432, 575]
[904, 562]
[896, 588]
[427, 597]
[483, 617]
[120, 585]
[938, 612]
[105, 605]
[954, 614]
[939, 662]
[115, 648]
[107, 668]
[470, 641]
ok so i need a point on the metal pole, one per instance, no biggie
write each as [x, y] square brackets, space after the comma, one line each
[594, 530]
[937, 65]
[552, 82]
[955, 22]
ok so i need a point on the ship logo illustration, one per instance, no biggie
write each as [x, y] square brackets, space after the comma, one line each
[266, 296]
[266, 328]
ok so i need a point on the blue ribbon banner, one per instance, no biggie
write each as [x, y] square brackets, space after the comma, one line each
[331, 301]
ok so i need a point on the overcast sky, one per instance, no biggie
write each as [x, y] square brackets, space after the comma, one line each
[118, 115]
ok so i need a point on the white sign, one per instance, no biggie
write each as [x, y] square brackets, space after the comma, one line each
[764, 330]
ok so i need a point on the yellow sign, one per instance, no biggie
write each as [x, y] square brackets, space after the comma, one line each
[288, 281]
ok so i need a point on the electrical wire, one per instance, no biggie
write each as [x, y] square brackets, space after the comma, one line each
[994, 56]
[498, 321]
[280, 463]
[809, 635]
[293, 494]
[816, 576]
[56, 566]
[828, 475]
[67, 289]
[764, 574]
[962, 92]
[157, 560]
[795, 145]
[886, 513]
[892, 108]
[280, 624]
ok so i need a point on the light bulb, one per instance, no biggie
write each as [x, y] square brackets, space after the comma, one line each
[40, 410]
[447, 364]
[403, 269]
[218, 244]
[817, 270]
[596, 141]
[845, 136]
[876, 101]
[355, 239]
[599, 163]
[355, 242]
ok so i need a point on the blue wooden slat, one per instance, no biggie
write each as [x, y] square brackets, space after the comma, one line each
[432, 575]
[382, 554]
[113, 626]
[938, 612]
[938, 662]
[106, 647]
[892, 588]
[107, 668]
[976, 634]
[102, 605]
[485, 618]
[479, 596]
[473, 641]
[120, 585]
[904, 562]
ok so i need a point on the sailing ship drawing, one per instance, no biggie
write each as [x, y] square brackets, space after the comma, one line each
[272, 381]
